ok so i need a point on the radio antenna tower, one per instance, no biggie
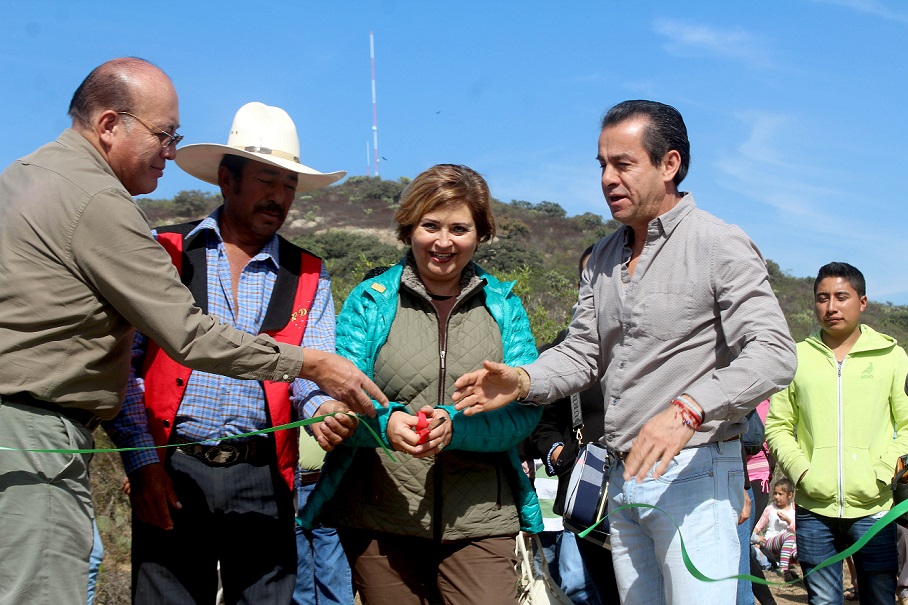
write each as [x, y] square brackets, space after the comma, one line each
[374, 106]
[368, 160]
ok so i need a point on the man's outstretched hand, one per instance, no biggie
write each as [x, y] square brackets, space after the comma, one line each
[490, 388]
[342, 380]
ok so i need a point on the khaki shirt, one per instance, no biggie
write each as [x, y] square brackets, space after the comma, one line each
[78, 269]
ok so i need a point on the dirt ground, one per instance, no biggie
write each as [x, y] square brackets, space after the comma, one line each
[795, 593]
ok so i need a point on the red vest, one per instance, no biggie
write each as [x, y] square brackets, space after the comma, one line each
[285, 320]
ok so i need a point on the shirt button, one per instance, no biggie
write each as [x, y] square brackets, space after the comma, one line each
[286, 377]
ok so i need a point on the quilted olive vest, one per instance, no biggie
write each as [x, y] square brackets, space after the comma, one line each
[456, 495]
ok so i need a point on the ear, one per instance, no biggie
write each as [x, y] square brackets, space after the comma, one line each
[107, 126]
[863, 303]
[224, 180]
[671, 164]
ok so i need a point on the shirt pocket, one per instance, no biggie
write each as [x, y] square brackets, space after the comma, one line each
[668, 310]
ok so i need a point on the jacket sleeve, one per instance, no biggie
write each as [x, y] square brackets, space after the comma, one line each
[781, 421]
[353, 330]
[884, 467]
[505, 427]
[351, 342]
[115, 251]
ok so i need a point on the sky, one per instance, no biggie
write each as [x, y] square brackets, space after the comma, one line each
[796, 110]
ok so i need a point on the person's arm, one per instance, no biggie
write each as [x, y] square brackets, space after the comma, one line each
[569, 367]
[319, 335]
[553, 438]
[151, 493]
[129, 428]
[763, 357]
[308, 398]
[762, 521]
[781, 424]
[884, 467]
[115, 251]
[754, 329]
[354, 330]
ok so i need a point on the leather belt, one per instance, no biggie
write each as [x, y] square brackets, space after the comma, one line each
[309, 477]
[228, 453]
[84, 417]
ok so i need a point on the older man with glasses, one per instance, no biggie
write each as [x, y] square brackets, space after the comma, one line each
[79, 270]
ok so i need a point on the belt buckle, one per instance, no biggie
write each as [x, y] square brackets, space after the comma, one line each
[222, 454]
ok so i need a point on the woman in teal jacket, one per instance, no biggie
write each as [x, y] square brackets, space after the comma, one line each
[440, 520]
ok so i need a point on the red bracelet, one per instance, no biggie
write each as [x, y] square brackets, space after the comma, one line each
[688, 418]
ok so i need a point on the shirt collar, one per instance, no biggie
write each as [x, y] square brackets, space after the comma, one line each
[212, 223]
[666, 223]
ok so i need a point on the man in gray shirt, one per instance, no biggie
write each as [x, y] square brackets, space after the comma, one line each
[677, 320]
[79, 269]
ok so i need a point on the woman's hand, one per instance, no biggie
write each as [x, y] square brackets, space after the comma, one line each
[403, 435]
[334, 429]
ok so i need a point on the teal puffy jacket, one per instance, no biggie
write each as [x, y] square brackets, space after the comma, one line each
[362, 328]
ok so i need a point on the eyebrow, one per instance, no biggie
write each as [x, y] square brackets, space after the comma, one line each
[615, 157]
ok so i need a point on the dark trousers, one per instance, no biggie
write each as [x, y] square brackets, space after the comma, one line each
[241, 515]
[401, 570]
[876, 563]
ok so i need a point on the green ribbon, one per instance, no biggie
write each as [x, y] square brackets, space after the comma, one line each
[273, 429]
[896, 511]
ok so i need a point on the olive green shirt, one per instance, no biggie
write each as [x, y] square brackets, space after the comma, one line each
[79, 268]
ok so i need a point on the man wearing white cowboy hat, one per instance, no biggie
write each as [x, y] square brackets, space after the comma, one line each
[80, 271]
[229, 500]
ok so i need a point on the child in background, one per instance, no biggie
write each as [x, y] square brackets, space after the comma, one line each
[775, 531]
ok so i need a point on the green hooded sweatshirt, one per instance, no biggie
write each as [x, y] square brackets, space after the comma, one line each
[845, 424]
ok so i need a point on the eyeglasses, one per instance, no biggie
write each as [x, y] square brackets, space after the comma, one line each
[166, 138]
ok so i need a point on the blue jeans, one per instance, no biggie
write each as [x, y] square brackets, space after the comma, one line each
[702, 491]
[568, 568]
[745, 588]
[323, 575]
[876, 563]
[94, 563]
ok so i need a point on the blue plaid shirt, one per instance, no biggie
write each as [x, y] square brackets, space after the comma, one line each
[215, 406]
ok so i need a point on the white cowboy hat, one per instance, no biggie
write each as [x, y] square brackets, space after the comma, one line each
[262, 133]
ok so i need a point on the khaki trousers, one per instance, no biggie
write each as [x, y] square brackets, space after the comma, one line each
[45, 508]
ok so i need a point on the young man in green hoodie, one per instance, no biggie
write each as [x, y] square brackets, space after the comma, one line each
[847, 400]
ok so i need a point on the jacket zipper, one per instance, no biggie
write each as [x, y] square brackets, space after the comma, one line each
[841, 488]
[437, 532]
